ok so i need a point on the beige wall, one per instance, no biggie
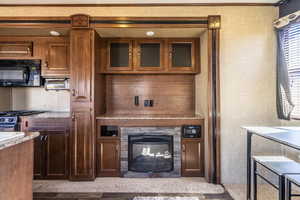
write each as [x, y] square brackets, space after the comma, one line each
[5, 99]
[247, 68]
[40, 99]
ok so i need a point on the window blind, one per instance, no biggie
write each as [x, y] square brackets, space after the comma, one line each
[292, 57]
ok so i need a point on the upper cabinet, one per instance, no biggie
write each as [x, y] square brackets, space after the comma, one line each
[119, 55]
[16, 49]
[149, 55]
[132, 56]
[183, 55]
[56, 63]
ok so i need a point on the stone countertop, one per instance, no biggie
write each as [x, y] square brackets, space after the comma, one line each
[150, 117]
[51, 115]
[14, 141]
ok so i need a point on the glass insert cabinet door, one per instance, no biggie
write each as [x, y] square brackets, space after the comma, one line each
[149, 55]
[182, 55]
[119, 55]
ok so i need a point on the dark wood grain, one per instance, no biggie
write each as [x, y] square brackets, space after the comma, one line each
[192, 155]
[108, 157]
[172, 94]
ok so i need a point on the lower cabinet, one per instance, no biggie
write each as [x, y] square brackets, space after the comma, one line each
[108, 157]
[192, 155]
[51, 155]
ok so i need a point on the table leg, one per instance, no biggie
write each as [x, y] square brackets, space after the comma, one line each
[249, 142]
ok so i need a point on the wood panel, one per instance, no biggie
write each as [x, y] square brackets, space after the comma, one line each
[172, 94]
[192, 163]
[17, 172]
[39, 158]
[81, 62]
[57, 59]
[108, 157]
[82, 146]
[57, 154]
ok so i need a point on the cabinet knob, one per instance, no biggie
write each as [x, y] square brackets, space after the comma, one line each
[183, 148]
[73, 91]
[73, 116]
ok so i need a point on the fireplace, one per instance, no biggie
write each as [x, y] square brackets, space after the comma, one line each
[150, 153]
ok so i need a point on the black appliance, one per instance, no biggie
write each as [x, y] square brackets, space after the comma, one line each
[189, 131]
[109, 131]
[10, 120]
[20, 73]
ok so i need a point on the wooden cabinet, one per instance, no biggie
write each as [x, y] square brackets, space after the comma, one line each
[151, 56]
[57, 59]
[82, 138]
[119, 55]
[82, 147]
[192, 157]
[183, 55]
[16, 49]
[51, 149]
[108, 157]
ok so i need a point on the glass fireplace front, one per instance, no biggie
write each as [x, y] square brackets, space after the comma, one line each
[150, 153]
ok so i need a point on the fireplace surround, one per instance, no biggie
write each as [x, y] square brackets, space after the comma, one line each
[150, 152]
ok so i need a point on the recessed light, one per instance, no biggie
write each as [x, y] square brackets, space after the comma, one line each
[54, 33]
[149, 33]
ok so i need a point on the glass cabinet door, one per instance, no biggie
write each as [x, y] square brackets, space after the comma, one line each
[149, 55]
[182, 55]
[119, 55]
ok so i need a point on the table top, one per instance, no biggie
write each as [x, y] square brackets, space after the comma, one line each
[289, 136]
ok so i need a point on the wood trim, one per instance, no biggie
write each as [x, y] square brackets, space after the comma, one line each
[35, 22]
[139, 5]
[214, 139]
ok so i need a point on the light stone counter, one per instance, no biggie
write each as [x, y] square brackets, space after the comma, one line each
[51, 115]
[151, 117]
[18, 140]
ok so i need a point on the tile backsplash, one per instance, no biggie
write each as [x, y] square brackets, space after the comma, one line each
[40, 99]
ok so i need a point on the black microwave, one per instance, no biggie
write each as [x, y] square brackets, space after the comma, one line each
[20, 73]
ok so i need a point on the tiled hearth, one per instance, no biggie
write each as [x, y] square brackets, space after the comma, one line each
[173, 131]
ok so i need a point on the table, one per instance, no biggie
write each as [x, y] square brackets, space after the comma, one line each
[288, 136]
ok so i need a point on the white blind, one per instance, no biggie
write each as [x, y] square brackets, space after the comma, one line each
[292, 56]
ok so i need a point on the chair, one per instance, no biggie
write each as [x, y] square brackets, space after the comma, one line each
[280, 166]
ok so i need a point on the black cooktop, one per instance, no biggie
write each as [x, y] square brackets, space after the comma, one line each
[17, 113]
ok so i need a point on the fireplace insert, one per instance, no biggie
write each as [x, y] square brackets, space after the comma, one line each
[150, 153]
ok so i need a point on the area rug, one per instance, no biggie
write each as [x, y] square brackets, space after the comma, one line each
[166, 198]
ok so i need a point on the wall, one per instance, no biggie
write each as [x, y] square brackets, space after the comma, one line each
[5, 99]
[291, 7]
[247, 68]
[40, 99]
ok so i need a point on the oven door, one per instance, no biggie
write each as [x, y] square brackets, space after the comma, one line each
[9, 128]
[14, 76]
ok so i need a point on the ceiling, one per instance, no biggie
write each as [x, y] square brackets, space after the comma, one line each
[130, 1]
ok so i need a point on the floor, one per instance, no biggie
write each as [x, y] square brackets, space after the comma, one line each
[130, 189]
[132, 185]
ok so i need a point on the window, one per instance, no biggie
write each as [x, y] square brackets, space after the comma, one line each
[292, 56]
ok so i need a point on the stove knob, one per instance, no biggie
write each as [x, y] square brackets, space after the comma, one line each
[11, 120]
[2, 119]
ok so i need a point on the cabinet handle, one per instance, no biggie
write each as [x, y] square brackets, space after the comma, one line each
[73, 91]
[46, 137]
[46, 64]
[183, 148]
[41, 138]
[73, 116]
